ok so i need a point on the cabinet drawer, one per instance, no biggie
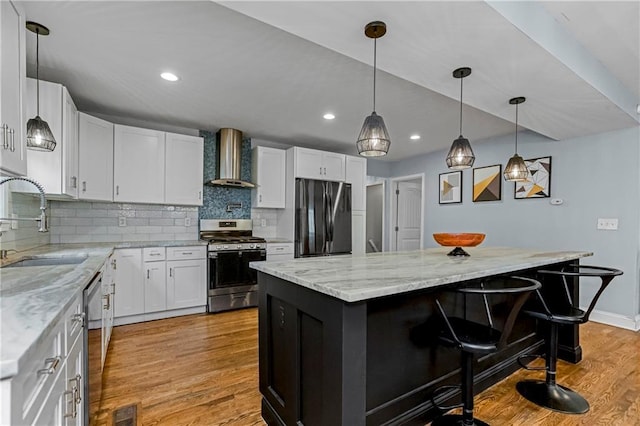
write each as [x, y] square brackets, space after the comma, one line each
[39, 372]
[279, 248]
[74, 322]
[153, 253]
[186, 253]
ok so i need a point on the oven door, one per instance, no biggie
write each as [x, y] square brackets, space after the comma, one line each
[225, 269]
[251, 275]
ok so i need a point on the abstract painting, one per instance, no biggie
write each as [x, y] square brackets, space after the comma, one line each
[538, 184]
[487, 183]
[450, 187]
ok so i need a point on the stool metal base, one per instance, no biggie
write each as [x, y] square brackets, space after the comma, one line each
[455, 420]
[554, 397]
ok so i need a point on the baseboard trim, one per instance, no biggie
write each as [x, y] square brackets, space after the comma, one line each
[615, 320]
[132, 319]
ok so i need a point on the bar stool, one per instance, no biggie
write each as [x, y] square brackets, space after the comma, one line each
[473, 338]
[547, 393]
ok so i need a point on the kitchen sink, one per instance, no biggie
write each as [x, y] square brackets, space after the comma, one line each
[47, 261]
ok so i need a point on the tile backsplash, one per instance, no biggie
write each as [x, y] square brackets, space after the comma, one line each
[84, 222]
[216, 198]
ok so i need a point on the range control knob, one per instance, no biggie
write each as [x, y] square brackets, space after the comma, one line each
[252, 246]
[225, 247]
[239, 246]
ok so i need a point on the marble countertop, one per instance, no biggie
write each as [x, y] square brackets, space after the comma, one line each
[358, 278]
[32, 299]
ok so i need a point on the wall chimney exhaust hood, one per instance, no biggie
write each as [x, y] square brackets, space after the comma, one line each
[228, 160]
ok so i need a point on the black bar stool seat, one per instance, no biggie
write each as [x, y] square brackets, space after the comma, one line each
[547, 393]
[474, 338]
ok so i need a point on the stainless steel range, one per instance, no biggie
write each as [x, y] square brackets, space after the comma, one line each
[231, 283]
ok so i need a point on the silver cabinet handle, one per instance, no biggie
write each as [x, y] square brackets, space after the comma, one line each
[74, 182]
[79, 318]
[84, 186]
[5, 136]
[187, 252]
[147, 274]
[108, 299]
[51, 364]
[154, 254]
[325, 171]
[12, 132]
[113, 264]
[117, 189]
[113, 288]
[320, 170]
[171, 272]
[199, 195]
[260, 197]
[73, 412]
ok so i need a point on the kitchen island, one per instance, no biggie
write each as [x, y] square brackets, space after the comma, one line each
[352, 340]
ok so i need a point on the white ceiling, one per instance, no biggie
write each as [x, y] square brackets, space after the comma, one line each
[272, 69]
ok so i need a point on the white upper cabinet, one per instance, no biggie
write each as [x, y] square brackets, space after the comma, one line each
[95, 165]
[138, 158]
[184, 156]
[268, 167]
[321, 165]
[56, 171]
[13, 155]
[356, 176]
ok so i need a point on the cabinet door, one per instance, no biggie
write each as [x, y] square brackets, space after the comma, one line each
[269, 167]
[46, 167]
[129, 297]
[186, 285]
[138, 159]
[183, 171]
[74, 396]
[70, 147]
[308, 163]
[333, 167]
[95, 154]
[358, 232]
[155, 287]
[13, 155]
[356, 175]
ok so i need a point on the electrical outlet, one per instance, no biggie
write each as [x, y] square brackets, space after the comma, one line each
[122, 221]
[14, 223]
[263, 222]
[608, 224]
[187, 221]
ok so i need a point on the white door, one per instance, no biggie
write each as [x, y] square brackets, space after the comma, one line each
[70, 151]
[75, 382]
[129, 283]
[186, 285]
[183, 173]
[155, 287]
[333, 166]
[95, 158]
[138, 165]
[408, 216]
[269, 166]
[308, 163]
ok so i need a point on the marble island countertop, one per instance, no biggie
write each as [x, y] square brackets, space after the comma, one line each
[358, 278]
[33, 298]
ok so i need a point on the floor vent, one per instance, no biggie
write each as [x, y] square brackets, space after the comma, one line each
[125, 416]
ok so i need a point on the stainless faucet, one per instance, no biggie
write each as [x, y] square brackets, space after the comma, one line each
[43, 204]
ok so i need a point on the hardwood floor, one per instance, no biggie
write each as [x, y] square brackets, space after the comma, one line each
[203, 370]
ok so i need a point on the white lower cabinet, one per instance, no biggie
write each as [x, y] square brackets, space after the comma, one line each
[358, 232]
[277, 252]
[154, 283]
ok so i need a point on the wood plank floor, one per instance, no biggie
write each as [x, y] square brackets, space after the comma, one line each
[203, 370]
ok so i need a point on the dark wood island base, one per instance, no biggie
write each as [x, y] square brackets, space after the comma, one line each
[325, 361]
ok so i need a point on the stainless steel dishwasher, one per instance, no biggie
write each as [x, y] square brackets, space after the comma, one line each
[93, 305]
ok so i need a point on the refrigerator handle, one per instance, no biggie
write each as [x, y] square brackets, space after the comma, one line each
[324, 214]
[331, 218]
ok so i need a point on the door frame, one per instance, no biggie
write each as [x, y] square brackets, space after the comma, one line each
[384, 213]
[393, 206]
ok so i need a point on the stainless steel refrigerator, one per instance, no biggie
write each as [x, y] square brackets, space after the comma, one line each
[323, 218]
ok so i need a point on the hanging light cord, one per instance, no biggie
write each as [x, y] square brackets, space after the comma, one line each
[516, 128]
[462, 78]
[374, 73]
[37, 71]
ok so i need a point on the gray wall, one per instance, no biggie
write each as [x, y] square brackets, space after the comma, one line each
[597, 176]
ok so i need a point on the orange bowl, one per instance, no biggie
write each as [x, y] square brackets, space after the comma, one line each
[467, 239]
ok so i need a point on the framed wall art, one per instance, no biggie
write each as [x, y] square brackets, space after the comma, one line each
[538, 184]
[487, 183]
[450, 187]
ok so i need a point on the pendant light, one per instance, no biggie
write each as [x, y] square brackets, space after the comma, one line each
[39, 135]
[516, 170]
[460, 154]
[373, 140]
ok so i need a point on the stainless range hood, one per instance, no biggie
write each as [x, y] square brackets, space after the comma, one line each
[228, 160]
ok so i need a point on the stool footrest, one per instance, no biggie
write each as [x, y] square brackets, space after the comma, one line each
[554, 397]
[443, 389]
[530, 357]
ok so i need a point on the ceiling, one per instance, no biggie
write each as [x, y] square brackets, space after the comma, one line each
[272, 69]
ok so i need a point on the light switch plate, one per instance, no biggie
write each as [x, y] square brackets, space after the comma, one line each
[14, 223]
[263, 222]
[608, 224]
[187, 221]
[122, 221]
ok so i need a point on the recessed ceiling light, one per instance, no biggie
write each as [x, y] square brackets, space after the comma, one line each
[169, 76]
[329, 116]
[414, 137]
